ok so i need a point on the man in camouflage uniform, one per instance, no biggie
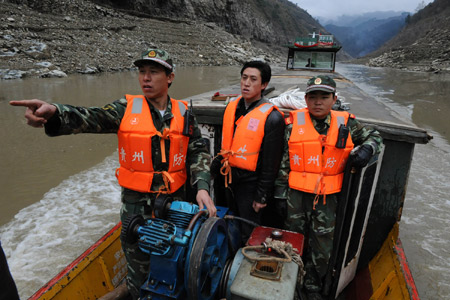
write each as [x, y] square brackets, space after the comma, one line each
[155, 77]
[306, 212]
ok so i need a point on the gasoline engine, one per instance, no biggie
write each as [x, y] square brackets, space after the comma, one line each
[196, 257]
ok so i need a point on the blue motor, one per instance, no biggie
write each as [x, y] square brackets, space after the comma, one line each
[189, 252]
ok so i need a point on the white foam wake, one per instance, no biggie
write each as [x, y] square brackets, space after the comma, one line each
[45, 237]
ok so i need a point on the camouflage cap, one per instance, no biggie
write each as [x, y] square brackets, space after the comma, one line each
[321, 83]
[156, 55]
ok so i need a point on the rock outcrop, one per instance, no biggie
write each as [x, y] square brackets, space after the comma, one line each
[57, 37]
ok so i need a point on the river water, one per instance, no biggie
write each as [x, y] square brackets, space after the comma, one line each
[420, 98]
[59, 195]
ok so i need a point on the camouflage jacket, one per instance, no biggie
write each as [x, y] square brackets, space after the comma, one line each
[360, 135]
[71, 120]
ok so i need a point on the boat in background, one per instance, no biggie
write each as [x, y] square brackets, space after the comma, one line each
[314, 52]
[316, 40]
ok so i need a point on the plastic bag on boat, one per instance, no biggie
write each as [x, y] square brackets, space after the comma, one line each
[293, 99]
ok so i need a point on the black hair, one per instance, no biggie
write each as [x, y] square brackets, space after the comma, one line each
[334, 93]
[151, 62]
[168, 71]
[264, 69]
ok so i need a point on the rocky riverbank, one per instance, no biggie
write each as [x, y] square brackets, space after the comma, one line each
[89, 38]
[431, 58]
[83, 37]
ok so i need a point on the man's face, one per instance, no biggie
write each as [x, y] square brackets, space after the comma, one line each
[319, 103]
[251, 85]
[154, 81]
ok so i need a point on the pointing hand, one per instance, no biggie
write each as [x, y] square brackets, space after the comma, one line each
[38, 111]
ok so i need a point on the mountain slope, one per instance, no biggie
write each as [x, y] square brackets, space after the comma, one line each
[52, 37]
[422, 45]
[271, 21]
[363, 36]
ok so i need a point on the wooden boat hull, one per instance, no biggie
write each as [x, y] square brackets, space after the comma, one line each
[386, 277]
[99, 270]
[102, 267]
[383, 271]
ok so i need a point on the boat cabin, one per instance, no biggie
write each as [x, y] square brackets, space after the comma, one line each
[315, 52]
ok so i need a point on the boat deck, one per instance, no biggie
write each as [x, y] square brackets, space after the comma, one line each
[384, 277]
[366, 108]
[360, 103]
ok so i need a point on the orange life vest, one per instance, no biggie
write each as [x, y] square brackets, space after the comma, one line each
[317, 166]
[241, 147]
[135, 147]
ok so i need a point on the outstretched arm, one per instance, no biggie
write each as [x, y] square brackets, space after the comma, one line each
[62, 119]
[37, 112]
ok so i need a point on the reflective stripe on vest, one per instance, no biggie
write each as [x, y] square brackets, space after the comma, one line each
[242, 145]
[316, 164]
[135, 147]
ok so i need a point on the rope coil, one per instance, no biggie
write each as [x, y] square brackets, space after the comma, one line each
[284, 248]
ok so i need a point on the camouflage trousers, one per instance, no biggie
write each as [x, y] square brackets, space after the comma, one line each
[138, 262]
[317, 225]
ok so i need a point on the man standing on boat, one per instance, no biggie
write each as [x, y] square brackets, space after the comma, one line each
[153, 151]
[318, 142]
[252, 133]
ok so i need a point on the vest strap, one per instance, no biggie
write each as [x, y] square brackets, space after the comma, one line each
[166, 178]
[164, 136]
[322, 139]
[320, 188]
[225, 170]
[316, 200]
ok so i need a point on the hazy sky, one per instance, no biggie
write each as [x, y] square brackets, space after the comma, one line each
[332, 8]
